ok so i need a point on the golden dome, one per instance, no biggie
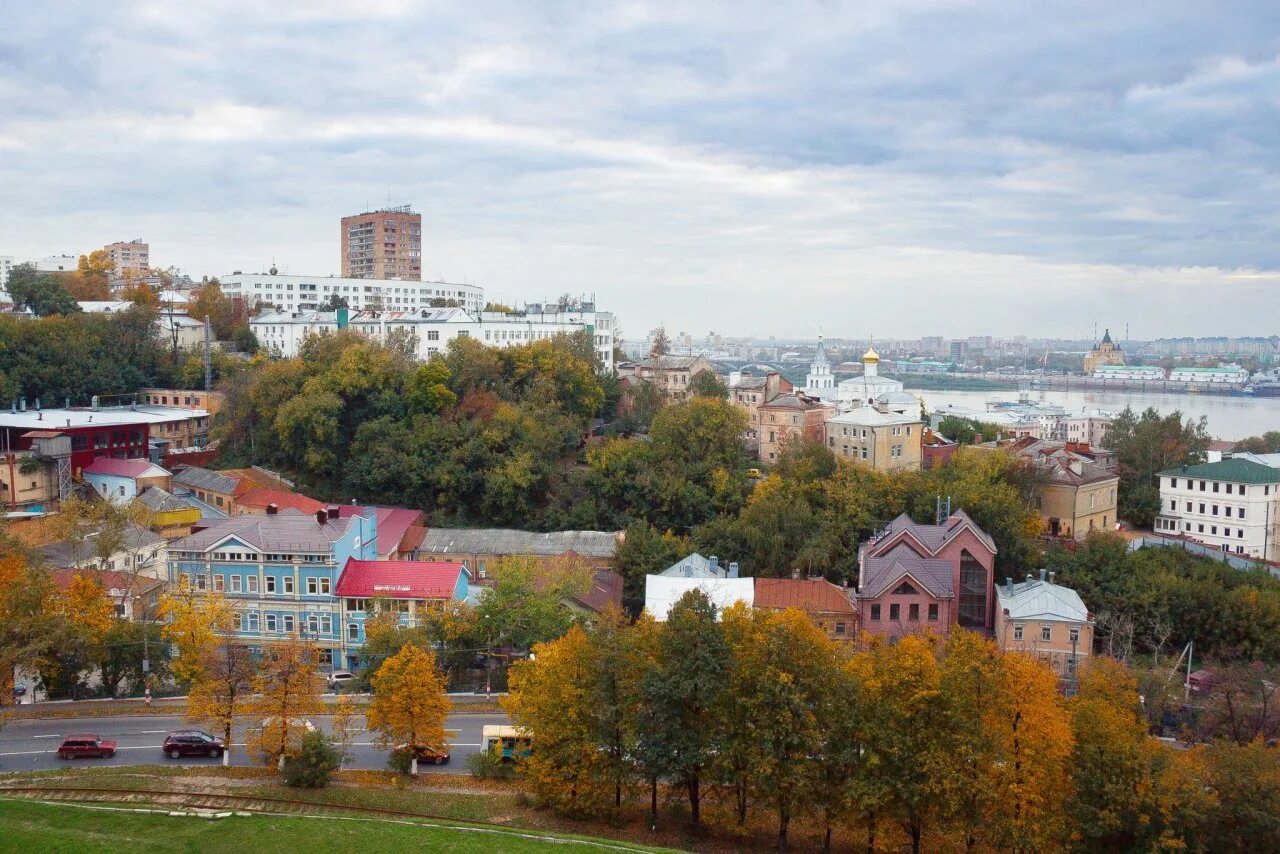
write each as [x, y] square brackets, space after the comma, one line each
[871, 356]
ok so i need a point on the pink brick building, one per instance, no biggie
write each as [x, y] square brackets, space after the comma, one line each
[913, 578]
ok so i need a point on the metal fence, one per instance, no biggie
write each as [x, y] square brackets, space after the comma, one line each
[1236, 561]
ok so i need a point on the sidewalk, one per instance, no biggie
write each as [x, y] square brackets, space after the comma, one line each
[464, 703]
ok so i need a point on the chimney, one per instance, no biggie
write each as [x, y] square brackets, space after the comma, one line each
[1029, 578]
[733, 569]
[1008, 583]
[715, 565]
[272, 509]
[1043, 573]
[322, 517]
[94, 404]
[22, 404]
[1051, 575]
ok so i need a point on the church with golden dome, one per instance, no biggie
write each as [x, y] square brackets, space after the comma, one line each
[1105, 352]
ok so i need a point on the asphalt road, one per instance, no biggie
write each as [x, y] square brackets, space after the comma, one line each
[31, 745]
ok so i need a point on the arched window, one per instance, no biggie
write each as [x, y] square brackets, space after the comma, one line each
[975, 587]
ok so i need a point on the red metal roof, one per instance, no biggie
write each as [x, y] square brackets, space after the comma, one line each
[399, 579]
[260, 497]
[124, 468]
[813, 595]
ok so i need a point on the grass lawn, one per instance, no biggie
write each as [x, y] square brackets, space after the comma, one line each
[30, 826]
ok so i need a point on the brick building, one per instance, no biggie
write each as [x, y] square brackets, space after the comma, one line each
[383, 244]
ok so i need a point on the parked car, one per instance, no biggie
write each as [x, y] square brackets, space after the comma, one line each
[192, 742]
[434, 755]
[86, 744]
[338, 678]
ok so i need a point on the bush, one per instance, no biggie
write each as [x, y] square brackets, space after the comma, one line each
[314, 764]
[487, 766]
[399, 761]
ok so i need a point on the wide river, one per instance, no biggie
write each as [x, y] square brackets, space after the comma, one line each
[1229, 417]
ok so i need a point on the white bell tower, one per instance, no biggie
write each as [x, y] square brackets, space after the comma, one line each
[819, 379]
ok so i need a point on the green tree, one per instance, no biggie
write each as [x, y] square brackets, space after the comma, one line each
[644, 550]
[41, 294]
[429, 391]
[525, 605]
[314, 763]
[1149, 443]
[707, 384]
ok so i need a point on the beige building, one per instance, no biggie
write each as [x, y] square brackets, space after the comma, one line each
[1105, 352]
[670, 374]
[789, 416]
[210, 401]
[1076, 495]
[1045, 620]
[749, 393]
[876, 436]
[132, 256]
[383, 244]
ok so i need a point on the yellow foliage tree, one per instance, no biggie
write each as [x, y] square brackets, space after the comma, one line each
[90, 281]
[86, 606]
[222, 690]
[409, 704]
[288, 685]
[193, 620]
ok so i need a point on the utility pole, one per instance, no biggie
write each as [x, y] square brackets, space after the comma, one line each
[208, 358]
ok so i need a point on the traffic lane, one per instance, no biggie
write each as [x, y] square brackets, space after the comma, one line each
[31, 745]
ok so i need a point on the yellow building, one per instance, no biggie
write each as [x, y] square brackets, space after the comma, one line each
[1044, 620]
[1075, 494]
[168, 516]
[1105, 352]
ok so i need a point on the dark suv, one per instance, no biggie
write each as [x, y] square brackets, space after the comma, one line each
[86, 744]
[192, 742]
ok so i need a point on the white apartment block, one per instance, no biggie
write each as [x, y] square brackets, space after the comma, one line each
[58, 264]
[1229, 505]
[7, 263]
[283, 332]
[308, 293]
[1225, 375]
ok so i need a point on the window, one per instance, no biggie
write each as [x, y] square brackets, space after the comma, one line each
[839, 627]
[875, 613]
[324, 586]
[973, 591]
[1046, 633]
[353, 631]
[287, 623]
[235, 584]
[913, 612]
[313, 586]
[218, 583]
[288, 584]
[237, 621]
[271, 622]
[1017, 632]
[933, 613]
[270, 581]
[326, 624]
[895, 612]
[1215, 509]
[313, 624]
[1215, 486]
[251, 620]
[251, 583]
[1073, 634]
[1240, 513]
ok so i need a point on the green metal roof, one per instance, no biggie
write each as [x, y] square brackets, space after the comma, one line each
[1233, 470]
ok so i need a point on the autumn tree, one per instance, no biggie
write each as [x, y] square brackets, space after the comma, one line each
[33, 633]
[89, 616]
[409, 704]
[222, 690]
[91, 279]
[288, 686]
[661, 344]
[193, 619]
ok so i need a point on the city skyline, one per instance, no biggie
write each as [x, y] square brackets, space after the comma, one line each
[921, 169]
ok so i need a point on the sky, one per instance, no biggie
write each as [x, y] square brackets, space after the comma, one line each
[880, 168]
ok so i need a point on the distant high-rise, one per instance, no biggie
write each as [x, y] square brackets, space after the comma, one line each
[383, 244]
[131, 256]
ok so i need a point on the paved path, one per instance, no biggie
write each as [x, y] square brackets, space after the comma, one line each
[31, 745]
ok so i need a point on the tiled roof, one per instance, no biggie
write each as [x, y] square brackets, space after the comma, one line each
[1041, 600]
[1233, 470]
[399, 579]
[882, 572]
[605, 590]
[932, 537]
[125, 468]
[286, 531]
[505, 541]
[259, 497]
[816, 594]
[194, 477]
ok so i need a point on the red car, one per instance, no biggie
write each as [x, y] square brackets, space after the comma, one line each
[85, 744]
[432, 755]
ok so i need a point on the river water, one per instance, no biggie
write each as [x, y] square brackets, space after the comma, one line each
[1229, 417]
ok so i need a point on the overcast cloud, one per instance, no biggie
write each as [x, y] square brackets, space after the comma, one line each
[900, 169]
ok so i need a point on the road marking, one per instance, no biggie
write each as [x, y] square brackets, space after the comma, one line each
[46, 736]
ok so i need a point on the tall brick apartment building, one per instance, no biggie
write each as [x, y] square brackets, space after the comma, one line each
[383, 244]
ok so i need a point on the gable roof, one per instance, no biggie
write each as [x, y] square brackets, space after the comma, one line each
[1232, 469]
[605, 590]
[124, 468]
[932, 538]
[1041, 600]
[399, 579]
[260, 497]
[158, 500]
[694, 566]
[399, 528]
[814, 594]
[286, 531]
[883, 572]
[505, 541]
[194, 477]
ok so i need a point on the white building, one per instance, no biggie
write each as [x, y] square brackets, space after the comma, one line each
[1129, 372]
[869, 387]
[433, 328]
[7, 263]
[1230, 505]
[58, 264]
[661, 592]
[308, 293]
[820, 382]
[1225, 375]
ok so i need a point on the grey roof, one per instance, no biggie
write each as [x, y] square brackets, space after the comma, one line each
[158, 500]
[880, 573]
[195, 477]
[287, 531]
[747, 383]
[1041, 600]
[694, 566]
[669, 363]
[934, 537]
[505, 541]
[63, 554]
